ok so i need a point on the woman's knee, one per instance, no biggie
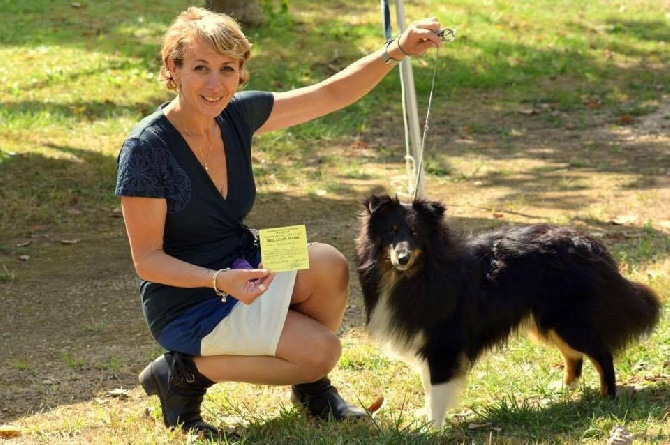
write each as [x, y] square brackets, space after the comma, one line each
[310, 346]
[330, 263]
[323, 358]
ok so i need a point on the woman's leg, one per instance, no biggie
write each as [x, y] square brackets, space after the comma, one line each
[308, 347]
[322, 291]
[307, 350]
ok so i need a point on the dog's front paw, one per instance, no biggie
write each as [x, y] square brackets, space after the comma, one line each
[421, 413]
[436, 424]
[424, 416]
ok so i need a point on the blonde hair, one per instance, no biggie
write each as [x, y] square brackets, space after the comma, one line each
[220, 29]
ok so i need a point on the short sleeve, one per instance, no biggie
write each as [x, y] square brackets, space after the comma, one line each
[149, 171]
[138, 171]
[254, 107]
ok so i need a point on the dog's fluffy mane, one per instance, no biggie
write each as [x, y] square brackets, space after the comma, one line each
[443, 273]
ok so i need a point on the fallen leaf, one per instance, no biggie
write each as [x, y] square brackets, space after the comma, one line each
[23, 243]
[69, 241]
[379, 401]
[498, 215]
[593, 104]
[627, 119]
[358, 143]
[148, 413]
[24, 257]
[9, 431]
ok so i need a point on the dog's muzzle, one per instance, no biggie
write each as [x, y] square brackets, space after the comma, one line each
[401, 255]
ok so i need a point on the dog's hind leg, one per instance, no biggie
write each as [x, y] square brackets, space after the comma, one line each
[572, 371]
[597, 353]
[604, 364]
[572, 359]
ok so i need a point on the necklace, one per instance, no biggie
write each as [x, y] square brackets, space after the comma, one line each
[209, 149]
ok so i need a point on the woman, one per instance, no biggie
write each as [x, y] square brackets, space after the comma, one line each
[186, 185]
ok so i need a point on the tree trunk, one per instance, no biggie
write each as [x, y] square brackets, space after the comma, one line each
[247, 12]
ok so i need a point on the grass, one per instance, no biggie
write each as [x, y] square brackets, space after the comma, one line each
[534, 119]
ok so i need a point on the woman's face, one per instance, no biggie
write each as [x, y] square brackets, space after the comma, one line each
[207, 79]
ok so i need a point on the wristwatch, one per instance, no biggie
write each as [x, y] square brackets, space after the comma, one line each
[386, 57]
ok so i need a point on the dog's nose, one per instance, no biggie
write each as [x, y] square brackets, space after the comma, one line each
[403, 258]
[403, 254]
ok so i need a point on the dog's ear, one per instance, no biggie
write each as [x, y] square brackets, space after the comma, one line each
[434, 209]
[375, 202]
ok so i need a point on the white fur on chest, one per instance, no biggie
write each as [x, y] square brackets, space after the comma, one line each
[383, 329]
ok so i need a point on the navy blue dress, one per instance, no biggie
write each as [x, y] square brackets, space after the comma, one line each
[201, 227]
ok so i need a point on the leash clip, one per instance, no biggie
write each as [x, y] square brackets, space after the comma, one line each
[446, 34]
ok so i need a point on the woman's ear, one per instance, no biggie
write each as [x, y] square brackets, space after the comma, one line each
[172, 69]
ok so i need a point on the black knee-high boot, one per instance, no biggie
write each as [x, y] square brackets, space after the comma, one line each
[174, 378]
[322, 400]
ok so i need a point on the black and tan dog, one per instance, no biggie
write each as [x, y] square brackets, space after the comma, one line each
[439, 300]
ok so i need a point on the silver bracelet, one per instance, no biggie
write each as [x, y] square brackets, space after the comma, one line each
[220, 293]
[386, 57]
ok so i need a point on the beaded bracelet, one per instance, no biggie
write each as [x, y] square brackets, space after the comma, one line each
[220, 293]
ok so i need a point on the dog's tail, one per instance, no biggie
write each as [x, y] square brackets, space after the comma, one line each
[638, 312]
[648, 308]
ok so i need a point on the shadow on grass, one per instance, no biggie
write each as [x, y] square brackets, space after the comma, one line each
[42, 194]
[512, 418]
[508, 420]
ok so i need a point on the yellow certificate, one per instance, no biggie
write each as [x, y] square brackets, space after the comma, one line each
[284, 248]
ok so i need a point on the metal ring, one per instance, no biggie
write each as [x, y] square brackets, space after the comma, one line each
[447, 34]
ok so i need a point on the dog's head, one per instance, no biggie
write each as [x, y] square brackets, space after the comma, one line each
[400, 231]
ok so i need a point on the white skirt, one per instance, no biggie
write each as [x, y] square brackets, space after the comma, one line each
[253, 329]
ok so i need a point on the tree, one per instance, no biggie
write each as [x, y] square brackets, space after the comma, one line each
[247, 12]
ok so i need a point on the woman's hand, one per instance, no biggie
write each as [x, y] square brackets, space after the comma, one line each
[245, 284]
[420, 36]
